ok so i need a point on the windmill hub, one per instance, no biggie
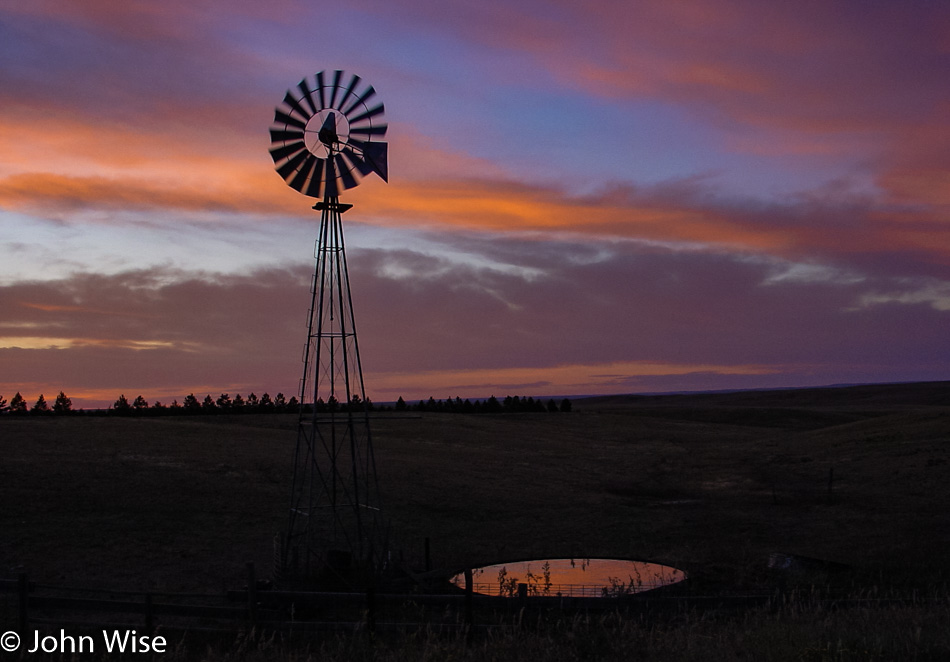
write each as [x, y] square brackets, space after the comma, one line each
[326, 129]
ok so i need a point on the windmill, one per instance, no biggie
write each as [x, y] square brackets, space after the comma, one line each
[326, 136]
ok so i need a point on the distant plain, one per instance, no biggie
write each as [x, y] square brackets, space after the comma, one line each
[710, 483]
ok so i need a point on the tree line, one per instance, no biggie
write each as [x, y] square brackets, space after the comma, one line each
[265, 404]
[511, 404]
[140, 406]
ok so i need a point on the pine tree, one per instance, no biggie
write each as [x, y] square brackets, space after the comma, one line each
[265, 404]
[224, 402]
[122, 406]
[63, 404]
[40, 407]
[17, 404]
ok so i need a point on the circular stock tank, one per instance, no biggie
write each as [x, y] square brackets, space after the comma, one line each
[591, 578]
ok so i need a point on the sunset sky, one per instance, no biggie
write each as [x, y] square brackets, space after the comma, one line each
[584, 197]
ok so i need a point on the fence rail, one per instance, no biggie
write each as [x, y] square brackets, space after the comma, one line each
[42, 606]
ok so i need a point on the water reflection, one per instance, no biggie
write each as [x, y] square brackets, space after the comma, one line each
[571, 577]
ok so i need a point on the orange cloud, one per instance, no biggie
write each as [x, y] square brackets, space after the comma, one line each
[71, 162]
[42, 191]
[503, 206]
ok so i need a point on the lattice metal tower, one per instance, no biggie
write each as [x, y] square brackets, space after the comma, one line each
[324, 137]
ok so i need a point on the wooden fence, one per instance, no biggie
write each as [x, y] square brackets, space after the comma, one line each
[45, 607]
[42, 606]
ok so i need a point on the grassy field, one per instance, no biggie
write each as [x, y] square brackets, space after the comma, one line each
[712, 484]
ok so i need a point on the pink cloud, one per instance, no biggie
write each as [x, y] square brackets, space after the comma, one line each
[604, 317]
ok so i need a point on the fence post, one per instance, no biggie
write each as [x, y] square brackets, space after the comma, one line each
[23, 590]
[469, 588]
[278, 559]
[371, 608]
[522, 602]
[251, 592]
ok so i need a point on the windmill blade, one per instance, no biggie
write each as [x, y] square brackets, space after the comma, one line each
[362, 99]
[337, 75]
[291, 166]
[307, 95]
[378, 130]
[349, 90]
[320, 86]
[369, 114]
[295, 105]
[280, 117]
[297, 183]
[345, 175]
[281, 153]
[316, 181]
[282, 135]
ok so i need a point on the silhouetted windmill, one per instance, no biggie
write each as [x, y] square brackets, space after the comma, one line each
[325, 136]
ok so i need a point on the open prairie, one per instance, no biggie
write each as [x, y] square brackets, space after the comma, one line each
[710, 483]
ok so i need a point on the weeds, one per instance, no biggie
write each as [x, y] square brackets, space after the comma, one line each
[799, 627]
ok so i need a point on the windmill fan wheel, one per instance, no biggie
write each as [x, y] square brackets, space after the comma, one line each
[327, 135]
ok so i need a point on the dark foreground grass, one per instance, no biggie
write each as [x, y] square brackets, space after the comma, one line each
[794, 627]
